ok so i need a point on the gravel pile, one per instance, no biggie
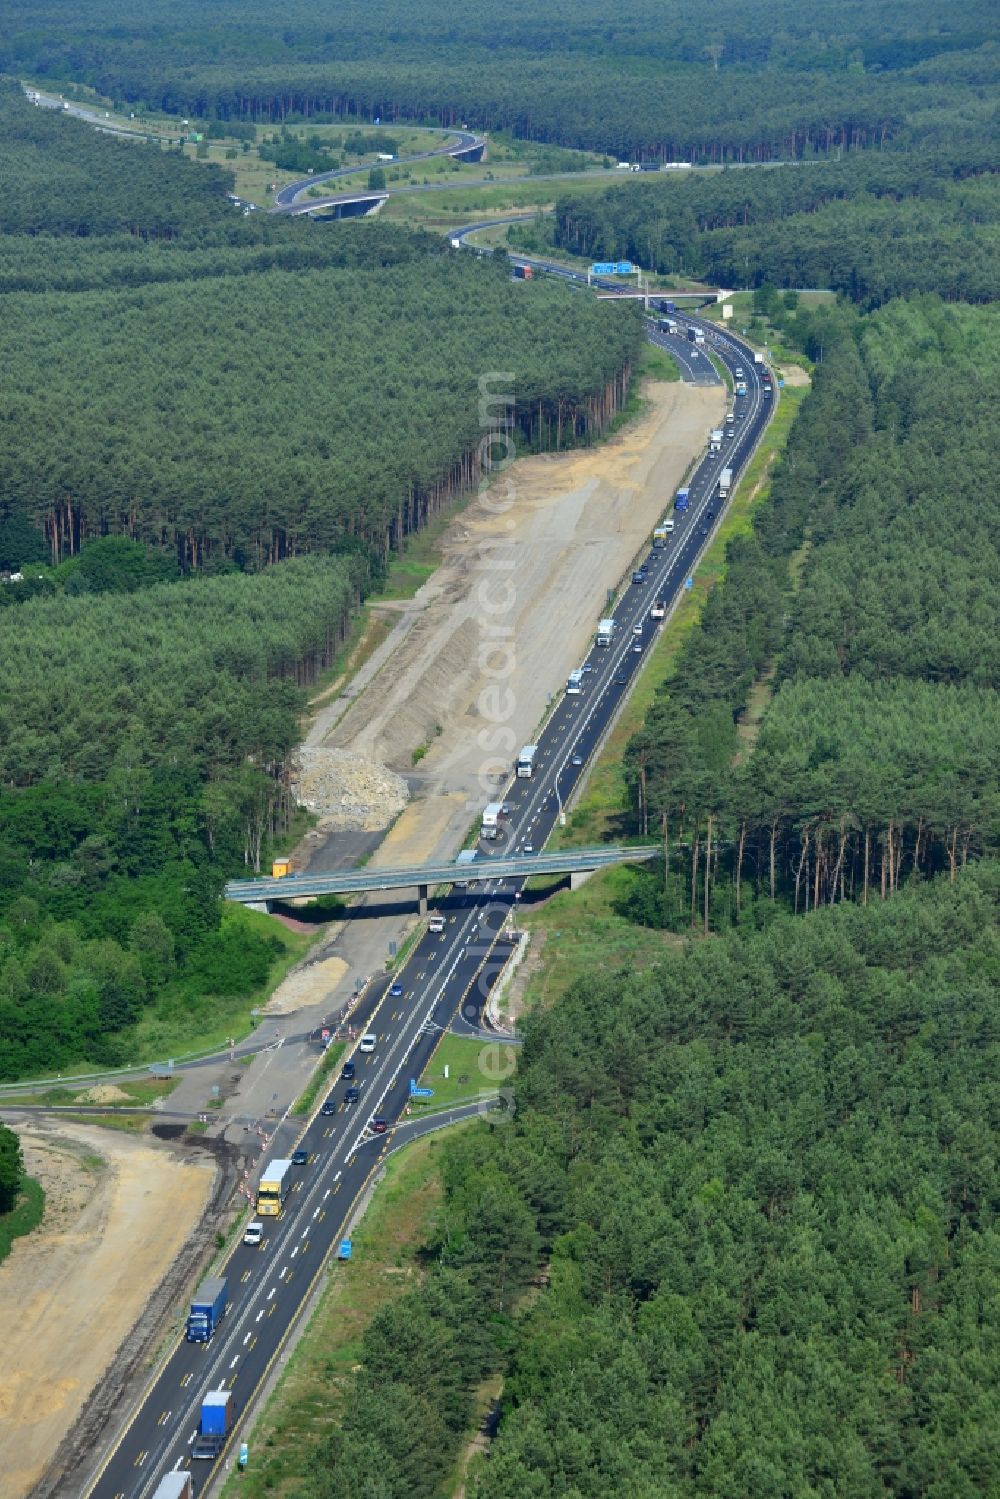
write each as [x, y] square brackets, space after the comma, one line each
[347, 791]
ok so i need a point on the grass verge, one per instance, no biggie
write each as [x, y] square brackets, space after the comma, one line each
[474, 1067]
[599, 814]
[582, 934]
[137, 1091]
[23, 1217]
[386, 1263]
[329, 1064]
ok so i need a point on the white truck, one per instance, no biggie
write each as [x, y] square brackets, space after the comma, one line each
[606, 631]
[526, 761]
[491, 820]
[725, 483]
[715, 440]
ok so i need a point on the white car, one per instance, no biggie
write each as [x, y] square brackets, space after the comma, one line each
[253, 1233]
[368, 1042]
[637, 629]
[436, 925]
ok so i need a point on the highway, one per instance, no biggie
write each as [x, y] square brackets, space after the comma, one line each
[445, 980]
[460, 143]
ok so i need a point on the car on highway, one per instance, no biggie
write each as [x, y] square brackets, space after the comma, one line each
[395, 992]
[369, 1041]
[505, 809]
[352, 1095]
[621, 680]
[330, 1107]
[637, 628]
[436, 925]
[379, 1126]
[527, 848]
[347, 1071]
[253, 1233]
[637, 647]
[710, 512]
[577, 759]
[300, 1157]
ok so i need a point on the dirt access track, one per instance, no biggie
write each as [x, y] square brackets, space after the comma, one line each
[118, 1212]
[466, 675]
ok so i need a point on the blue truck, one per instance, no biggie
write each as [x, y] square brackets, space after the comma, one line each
[215, 1424]
[681, 499]
[207, 1309]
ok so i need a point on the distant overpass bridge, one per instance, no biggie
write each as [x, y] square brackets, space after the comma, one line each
[340, 205]
[260, 893]
[462, 145]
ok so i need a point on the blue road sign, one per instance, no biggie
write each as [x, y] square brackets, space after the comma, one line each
[344, 1252]
[689, 583]
[416, 1092]
[781, 384]
[624, 268]
[612, 268]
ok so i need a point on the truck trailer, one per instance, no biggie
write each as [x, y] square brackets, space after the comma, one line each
[526, 761]
[273, 1188]
[215, 1424]
[715, 440]
[207, 1309]
[176, 1485]
[725, 483]
[491, 820]
[606, 631]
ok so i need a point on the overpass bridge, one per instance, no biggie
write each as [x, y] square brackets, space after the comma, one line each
[576, 862]
[340, 205]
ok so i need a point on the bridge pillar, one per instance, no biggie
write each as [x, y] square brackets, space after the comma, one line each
[422, 899]
[259, 905]
[580, 878]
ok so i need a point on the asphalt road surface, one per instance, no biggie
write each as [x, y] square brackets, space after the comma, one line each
[459, 140]
[445, 981]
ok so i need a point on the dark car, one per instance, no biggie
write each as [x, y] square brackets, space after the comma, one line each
[352, 1095]
[710, 512]
[396, 991]
[577, 760]
[621, 680]
[329, 1107]
[347, 1071]
[379, 1126]
[299, 1157]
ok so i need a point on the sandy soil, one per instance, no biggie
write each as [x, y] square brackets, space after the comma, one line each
[511, 611]
[309, 985]
[794, 374]
[69, 1292]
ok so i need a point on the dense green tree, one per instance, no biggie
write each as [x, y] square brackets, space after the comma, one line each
[11, 1168]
